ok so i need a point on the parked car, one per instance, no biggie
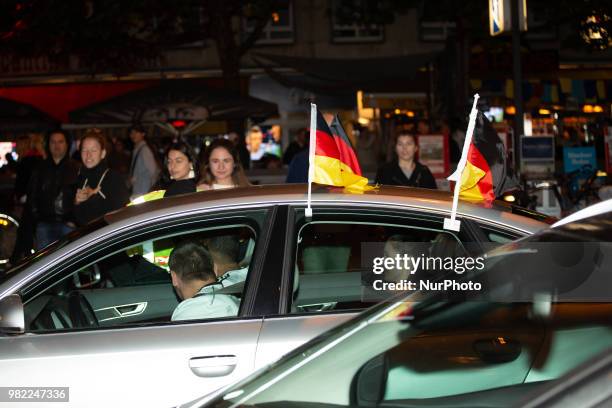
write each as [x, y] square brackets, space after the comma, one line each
[496, 350]
[92, 311]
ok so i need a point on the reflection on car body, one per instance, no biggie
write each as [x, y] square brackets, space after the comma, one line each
[441, 352]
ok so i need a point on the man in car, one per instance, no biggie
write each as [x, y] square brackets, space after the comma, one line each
[193, 277]
[225, 251]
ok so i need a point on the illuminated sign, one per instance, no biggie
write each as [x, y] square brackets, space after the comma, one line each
[500, 16]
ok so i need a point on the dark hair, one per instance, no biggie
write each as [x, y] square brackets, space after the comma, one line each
[238, 176]
[137, 126]
[187, 151]
[53, 132]
[227, 246]
[402, 134]
[190, 261]
[97, 135]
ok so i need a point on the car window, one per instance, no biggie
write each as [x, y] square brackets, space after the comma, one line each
[133, 285]
[329, 262]
[499, 237]
[433, 354]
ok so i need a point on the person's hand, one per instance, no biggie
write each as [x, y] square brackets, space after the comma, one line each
[203, 187]
[83, 194]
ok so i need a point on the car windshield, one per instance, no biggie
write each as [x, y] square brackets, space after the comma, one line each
[51, 248]
[421, 349]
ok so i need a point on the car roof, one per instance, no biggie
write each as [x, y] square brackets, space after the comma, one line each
[417, 198]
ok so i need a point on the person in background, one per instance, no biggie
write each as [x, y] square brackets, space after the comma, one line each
[99, 188]
[240, 146]
[51, 191]
[181, 170]
[299, 143]
[221, 167]
[298, 168]
[30, 153]
[119, 158]
[144, 170]
[405, 170]
[195, 282]
[423, 127]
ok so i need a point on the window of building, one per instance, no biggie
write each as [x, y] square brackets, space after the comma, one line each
[436, 30]
[352, 32]
[280, 28]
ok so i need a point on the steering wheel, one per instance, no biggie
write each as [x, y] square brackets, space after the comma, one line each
[80, 310]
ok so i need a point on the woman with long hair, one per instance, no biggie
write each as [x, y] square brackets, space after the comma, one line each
[221, 167]
[99, 188]
[405, 170]
[180, 170]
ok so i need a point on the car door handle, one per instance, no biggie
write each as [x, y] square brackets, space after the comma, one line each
[213, 366]
[120, 311]
[131, 309]
[317, 307]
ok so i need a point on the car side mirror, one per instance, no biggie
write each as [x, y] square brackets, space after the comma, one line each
[12, 316]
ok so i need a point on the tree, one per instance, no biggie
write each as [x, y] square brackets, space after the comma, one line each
[118, 36]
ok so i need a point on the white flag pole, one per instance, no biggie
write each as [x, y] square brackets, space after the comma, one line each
[311, 156]
[452, 223]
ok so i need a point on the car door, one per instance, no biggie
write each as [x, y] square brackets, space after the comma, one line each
[134, 354]
[322, 262]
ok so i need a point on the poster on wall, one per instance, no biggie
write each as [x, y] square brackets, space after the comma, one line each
[433, 152]
[581, 159]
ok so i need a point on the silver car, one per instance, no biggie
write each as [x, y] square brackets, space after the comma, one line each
[92, 312]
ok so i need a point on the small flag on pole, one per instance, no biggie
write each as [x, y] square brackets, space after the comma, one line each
[332, 159]
[335, 162]
[482, 173]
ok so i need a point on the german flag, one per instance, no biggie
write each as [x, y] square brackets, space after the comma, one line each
[335, 162]
[486, 174]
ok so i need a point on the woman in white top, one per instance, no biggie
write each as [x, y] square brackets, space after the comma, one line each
[221, 167]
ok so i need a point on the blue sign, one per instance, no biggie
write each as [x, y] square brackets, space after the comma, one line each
[581, 159]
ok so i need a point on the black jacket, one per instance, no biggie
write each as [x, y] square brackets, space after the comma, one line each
[177, 187]
[51, 190]
[391, 174]
[112, 196]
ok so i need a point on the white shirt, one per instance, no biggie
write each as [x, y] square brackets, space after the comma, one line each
[206, 304]
[233, 277]
[222, 186]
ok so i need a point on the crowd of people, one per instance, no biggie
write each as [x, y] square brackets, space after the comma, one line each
[56, 191]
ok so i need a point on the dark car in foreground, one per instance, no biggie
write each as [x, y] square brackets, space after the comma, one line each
[547, 309]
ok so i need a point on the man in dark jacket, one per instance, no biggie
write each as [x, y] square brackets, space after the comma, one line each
[51, 191]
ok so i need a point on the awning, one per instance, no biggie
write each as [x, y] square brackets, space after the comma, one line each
[334, 75]
[59, 99]
[21, 117]
[189, 100]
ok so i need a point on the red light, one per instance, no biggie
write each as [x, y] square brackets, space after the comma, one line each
[178, 124]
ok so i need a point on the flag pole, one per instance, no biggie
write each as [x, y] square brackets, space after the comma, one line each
[311, 157]
[452, 223]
